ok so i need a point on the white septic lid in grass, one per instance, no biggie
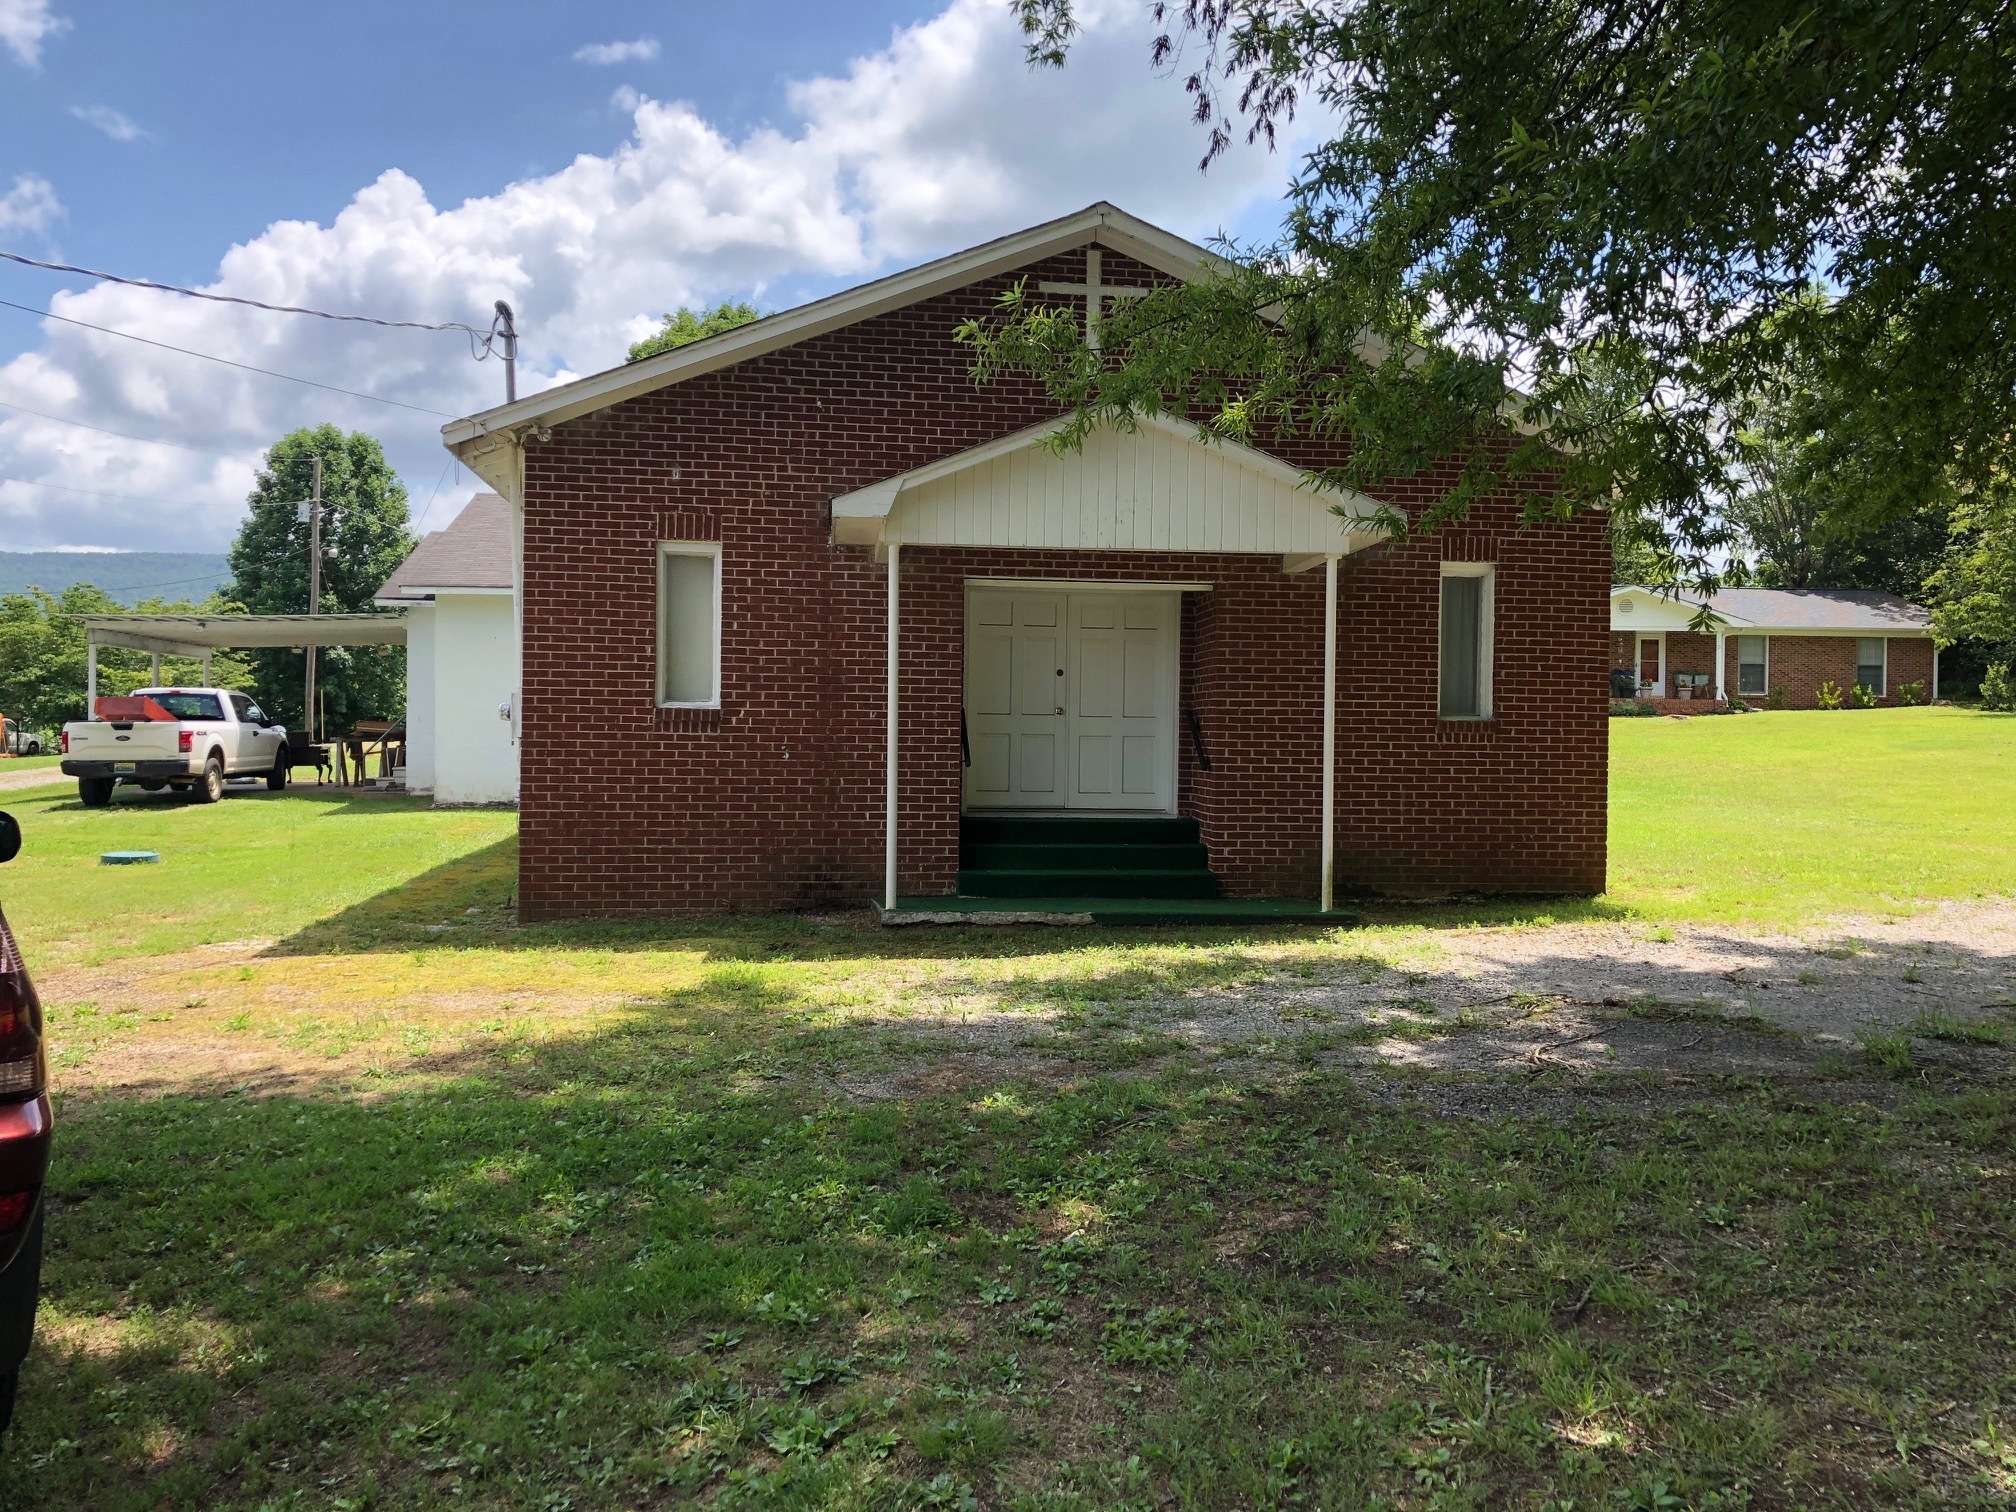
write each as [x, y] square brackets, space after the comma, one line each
[128, 858]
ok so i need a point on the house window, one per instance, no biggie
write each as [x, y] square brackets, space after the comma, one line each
[1752, 674]
[1466, 640]
[689, 625]
[1871, 663]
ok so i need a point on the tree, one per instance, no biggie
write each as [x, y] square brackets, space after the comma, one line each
[1519, 200]
[42, 654]
[365, 536]
[1973, 590]
[684, 326]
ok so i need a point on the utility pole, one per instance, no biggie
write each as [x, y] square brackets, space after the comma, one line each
[507, 327]
[314, 588]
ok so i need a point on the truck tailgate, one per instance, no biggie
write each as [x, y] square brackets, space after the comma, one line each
[143, 740]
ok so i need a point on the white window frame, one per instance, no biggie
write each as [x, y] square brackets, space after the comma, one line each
[1487, 618]
[1882, 689]
[683, 548]
[1765, 691]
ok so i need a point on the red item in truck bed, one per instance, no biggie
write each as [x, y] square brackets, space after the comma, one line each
[133, 709]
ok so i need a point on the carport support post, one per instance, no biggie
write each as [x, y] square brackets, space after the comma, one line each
[1329, 731]
[155, 673]
[91, 675]
[206, 669]
[889, 798]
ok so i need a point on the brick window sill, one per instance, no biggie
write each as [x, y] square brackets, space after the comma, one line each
[703, 720]
[1465, 731]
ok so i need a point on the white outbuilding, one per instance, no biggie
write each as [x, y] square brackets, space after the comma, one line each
[461, 657]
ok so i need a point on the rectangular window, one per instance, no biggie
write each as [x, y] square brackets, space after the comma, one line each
[689, 625]
[1871, 663]
[1752, 674]
[1465, 680]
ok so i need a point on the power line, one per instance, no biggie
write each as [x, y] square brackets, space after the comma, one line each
[143, 440]
[97, 493]
[148, 283]
[226, 361]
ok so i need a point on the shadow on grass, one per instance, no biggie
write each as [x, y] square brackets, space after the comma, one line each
[664, 1262]
[466, 904]
[340, 801]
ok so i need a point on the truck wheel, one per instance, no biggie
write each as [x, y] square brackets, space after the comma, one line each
[95, 792]
[210, 787]
[276, 780]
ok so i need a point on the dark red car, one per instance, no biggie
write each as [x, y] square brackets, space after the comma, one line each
[24, 1147]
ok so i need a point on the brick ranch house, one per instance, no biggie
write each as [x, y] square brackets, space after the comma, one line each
[810, 618]
[1772, 646]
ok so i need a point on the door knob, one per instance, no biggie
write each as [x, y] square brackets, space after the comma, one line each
[1060, 708]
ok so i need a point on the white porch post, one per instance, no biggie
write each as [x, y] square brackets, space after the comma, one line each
[1935, 672]
[1329, 731]
[91, 675]
[889, 813]
[1721, 661]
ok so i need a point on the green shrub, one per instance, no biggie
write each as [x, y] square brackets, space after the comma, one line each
[1775, 699]
[1998, 689]
[1911, 693]
[1865, 697]
[1738, 704]
[1828, 695]
[1630, 708]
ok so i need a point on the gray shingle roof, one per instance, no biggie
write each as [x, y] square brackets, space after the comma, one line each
[473, 551]
[1847, 609]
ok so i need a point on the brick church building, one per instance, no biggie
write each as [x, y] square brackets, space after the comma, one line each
[809, 618]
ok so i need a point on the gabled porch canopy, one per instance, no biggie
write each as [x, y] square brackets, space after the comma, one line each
[1160, 486]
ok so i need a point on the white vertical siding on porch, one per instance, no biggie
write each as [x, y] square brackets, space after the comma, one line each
[1149, 490]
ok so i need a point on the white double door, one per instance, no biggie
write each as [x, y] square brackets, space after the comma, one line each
[1071, 699]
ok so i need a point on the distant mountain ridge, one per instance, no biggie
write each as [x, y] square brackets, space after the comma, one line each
[127, 575]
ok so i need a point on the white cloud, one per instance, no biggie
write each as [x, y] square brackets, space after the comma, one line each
[114, 123]
[643, 50]
[25, 25]
[31, 205]
[938, 141]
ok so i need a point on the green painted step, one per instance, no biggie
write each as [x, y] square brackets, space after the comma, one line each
[991, 856]
[1113, 911]
[1074, 829]
[1087, 884]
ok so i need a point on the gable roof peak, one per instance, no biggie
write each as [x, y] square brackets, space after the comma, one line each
[1100, 224]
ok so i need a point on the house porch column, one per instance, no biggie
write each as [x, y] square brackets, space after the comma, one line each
[889, 812]
[1329, 731]
[1721, 665]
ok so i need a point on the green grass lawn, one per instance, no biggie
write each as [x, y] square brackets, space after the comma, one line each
[367, 1197]
[1779, 817]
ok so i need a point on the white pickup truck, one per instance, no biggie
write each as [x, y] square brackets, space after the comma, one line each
[190, 739]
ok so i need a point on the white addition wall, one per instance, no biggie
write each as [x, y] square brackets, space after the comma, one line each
[475, 670]
[420, 698]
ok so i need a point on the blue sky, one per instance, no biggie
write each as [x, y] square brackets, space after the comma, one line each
[596, 165]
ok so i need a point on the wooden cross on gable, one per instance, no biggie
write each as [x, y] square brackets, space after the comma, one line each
[1095, 293]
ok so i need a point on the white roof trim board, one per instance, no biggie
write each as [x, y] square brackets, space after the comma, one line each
[1159, 486]
[1101, 225]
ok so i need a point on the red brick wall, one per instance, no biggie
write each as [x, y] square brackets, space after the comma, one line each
[1800, 663]
[776, 800]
